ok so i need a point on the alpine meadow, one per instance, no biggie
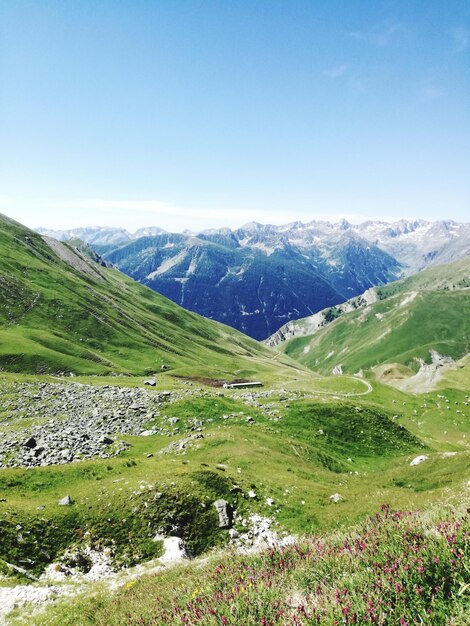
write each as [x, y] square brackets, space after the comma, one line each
[234, 313]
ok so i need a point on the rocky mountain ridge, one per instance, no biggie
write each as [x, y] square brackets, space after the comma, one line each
[259, 277]
[415, 243]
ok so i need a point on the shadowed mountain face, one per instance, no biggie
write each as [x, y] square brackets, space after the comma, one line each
[256, 287]
[259, 277]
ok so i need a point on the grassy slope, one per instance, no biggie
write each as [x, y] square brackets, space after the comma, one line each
[363, 453]
[56, 318]
[429, 311]
[395, 569]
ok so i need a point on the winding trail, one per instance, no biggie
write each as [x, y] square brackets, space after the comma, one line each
[349, 394]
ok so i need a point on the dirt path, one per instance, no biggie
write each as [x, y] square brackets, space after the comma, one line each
[350, 394]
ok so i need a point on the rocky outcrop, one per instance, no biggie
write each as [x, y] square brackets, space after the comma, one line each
[311, 324]
[224, 511]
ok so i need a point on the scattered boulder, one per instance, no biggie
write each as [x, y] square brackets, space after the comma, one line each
[259, 535]
[173, 549]
[419, 459]
[224, 511]
[105, 440]
[252, 494]
[65, 501]
[336, 497]
[151, 382]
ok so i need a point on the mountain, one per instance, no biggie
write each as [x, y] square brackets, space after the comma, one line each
[419, 322]
[101, 236]
[250, 282]
[418, 244]
[95, 236]
[62, 310]
[259, 277]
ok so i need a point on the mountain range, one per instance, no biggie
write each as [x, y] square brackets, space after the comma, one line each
[62, 310]
[259, 277]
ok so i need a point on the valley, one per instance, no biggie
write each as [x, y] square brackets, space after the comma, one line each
[234, 313]
[306, 461]
[259, 277]
[130, 477]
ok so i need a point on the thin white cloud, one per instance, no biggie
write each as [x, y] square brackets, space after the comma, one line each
[66, 213]
[152, 208]
[107, 205]
[460, 38]
[343, 74]
[337, 71]
[131, 214]
[379, 35]
[357, 85]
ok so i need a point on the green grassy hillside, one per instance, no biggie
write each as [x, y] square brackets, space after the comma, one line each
[293, 449]
[396, 568]
[62, 311]
[297, 448]
[409, 319]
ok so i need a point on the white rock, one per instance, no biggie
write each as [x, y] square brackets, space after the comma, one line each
[419, 459]
[336, 497]
[65, 501]
[13, 597]
[101, 567]
[261, 536]
[173, 549]
[56, 572]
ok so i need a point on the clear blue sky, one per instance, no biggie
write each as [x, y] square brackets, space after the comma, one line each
[191, 114]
